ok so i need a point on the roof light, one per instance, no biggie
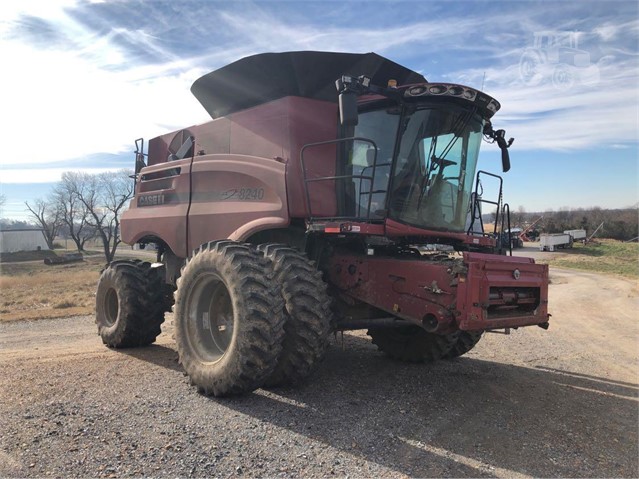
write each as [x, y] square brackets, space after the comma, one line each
[392, 83]
[437, 89]
[469, 94]
[454, 90]
[493, 105]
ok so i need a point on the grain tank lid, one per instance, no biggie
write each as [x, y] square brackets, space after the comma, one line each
[261, 78]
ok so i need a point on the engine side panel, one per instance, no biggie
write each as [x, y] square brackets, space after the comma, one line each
[160, 206]
[234, 196]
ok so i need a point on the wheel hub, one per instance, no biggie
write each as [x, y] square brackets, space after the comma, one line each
[211, 319]
[111, 307]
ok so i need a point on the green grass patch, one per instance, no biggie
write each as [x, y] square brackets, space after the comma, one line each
[606, 256]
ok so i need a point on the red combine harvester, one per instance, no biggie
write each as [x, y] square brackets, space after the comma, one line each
[303, 209]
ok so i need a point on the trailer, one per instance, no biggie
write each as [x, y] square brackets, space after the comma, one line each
[577, 235]
[551, 242]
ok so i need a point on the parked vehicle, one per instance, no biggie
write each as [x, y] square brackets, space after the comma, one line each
[310, 204]
[577, 235]
[551, 242]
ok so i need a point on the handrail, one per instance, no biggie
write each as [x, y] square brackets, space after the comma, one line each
[139, 160]
[478, 199]
[338, 177]
[506, 214]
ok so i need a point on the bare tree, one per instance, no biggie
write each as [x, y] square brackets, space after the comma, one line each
[105, 196]
[74, 212]
[47, 216]
[519, 217]
[3, 200]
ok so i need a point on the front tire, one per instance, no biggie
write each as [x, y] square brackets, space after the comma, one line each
[466, 340]
[229, 319]
[129, 304]
[412, 343]
[308, 313]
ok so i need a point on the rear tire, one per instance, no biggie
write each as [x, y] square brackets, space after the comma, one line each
[412, 343]
[307, 311]
[228, 319]
[129, 304]
[465, 342]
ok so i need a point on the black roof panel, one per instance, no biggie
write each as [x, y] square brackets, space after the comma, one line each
[261, 78]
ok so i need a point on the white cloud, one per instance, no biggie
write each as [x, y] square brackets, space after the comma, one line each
[43, 175]
[51, 9]
[599, 108]
[61, 104]
[610, 31]
[258, 31]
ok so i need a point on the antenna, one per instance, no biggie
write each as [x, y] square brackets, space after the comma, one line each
[482, 82]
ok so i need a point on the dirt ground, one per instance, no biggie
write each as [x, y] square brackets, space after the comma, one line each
[562, 402]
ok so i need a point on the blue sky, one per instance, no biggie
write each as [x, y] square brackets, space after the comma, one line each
[82, 79]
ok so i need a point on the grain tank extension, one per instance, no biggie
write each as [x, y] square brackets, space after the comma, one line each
[329, 192]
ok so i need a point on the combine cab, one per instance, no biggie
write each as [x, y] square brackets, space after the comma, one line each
[329, 192]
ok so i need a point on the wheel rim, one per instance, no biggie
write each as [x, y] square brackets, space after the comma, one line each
[211, 323]
[111, 307]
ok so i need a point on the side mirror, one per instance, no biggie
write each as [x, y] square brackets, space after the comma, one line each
[348, 108]
[505, 158]
[499, 136]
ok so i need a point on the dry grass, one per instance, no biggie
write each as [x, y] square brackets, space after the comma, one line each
[31, 290]
[36, 291]
[48, 292]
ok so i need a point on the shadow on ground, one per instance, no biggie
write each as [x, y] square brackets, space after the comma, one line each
[155, 354]
[465, 417]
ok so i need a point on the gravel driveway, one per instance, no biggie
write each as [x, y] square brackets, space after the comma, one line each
[562, 402]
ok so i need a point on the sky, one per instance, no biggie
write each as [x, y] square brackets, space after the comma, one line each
[81, 80]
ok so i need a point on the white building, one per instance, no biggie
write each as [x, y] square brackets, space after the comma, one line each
[22, 240]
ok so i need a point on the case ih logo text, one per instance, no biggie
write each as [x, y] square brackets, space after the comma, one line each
[151, 200]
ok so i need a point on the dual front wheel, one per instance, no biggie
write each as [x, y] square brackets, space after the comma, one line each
[229, 319]
[247, 318]
[244, 317]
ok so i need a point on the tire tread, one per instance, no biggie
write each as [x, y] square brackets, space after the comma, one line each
[307, 311]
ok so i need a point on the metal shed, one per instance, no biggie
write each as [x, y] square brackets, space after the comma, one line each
[22, 240]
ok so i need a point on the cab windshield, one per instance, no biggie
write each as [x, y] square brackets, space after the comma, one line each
[429, 183]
